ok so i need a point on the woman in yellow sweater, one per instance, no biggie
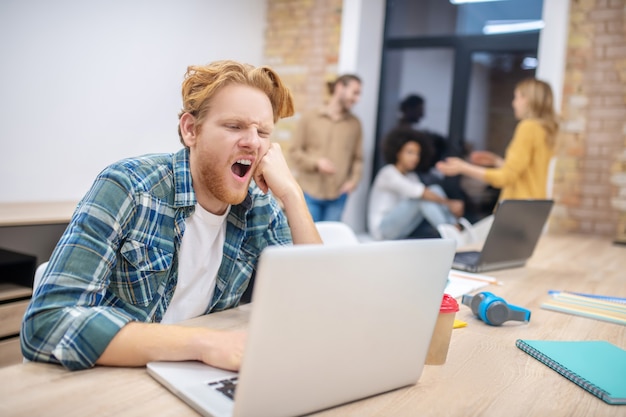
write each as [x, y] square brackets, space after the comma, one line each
[523, 173]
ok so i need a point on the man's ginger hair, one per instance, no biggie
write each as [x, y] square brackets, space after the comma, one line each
[201, 83]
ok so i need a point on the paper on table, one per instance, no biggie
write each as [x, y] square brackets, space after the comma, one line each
[460, 283]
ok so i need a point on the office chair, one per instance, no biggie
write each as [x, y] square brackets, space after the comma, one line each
[38, 274]
[336, 233]
[36, 281]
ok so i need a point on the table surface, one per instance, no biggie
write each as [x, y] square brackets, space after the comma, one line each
[34, 213]
[485, 374]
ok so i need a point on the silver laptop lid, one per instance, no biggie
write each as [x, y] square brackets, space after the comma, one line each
[331, 325]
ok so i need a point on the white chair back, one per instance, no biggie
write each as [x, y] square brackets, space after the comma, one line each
[38, 274]
[36, 281]
[336, 233]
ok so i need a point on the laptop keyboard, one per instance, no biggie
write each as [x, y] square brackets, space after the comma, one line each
[225, 386]
[467, 258]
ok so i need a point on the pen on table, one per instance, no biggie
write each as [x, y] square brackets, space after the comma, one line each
[490, 280]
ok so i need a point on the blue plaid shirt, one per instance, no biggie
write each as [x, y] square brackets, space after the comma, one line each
[118, 259]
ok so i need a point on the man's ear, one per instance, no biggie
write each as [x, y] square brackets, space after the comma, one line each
[187, 125]
[339, 87]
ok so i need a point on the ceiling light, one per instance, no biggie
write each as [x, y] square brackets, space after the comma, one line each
[529, 62]
[511, 26]
[472, 1]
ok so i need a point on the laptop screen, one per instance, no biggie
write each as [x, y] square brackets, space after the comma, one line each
[515, 230]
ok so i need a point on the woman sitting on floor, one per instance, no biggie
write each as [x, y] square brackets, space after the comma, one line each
[399, 201]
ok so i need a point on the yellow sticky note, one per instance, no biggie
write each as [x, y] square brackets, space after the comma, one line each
[458, 324]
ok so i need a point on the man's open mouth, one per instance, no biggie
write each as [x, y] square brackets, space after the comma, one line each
[241, 167]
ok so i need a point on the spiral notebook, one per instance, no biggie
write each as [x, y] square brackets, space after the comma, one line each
[597, 366]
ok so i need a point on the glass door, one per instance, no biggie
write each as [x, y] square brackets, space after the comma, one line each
[440, 52]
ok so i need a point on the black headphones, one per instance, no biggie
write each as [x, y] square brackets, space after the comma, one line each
[494, 310]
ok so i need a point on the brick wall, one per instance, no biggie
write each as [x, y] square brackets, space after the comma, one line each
[302, 44]
[590, 177]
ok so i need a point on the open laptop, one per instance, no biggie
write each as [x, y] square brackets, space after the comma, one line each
[514, 233]
[329, 325]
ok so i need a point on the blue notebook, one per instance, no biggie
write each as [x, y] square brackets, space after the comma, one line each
[595, 365]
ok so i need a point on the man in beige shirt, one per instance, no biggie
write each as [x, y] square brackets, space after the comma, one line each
[327, 151]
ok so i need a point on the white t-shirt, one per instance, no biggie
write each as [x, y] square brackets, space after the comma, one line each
[199, 259]
[389, 188]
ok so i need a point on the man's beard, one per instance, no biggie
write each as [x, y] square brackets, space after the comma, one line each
[346, 105]
[216, 185]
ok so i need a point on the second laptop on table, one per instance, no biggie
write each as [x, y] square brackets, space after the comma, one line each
[511, 241]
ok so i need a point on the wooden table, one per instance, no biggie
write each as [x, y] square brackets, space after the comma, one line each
[485, 374]
[29, 213]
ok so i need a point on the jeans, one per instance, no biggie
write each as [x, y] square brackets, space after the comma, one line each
[408, 214]
[326, 210]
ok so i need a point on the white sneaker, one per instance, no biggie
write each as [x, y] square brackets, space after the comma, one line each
[448, 231]
[469, 229]
[463, 237]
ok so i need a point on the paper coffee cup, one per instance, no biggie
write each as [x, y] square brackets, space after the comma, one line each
[440, 341]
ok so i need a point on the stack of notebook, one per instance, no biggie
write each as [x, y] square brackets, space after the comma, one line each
[611, 309]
